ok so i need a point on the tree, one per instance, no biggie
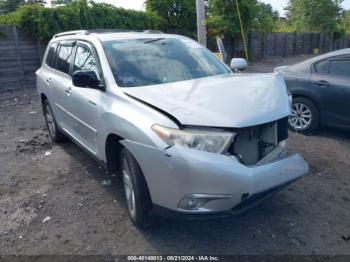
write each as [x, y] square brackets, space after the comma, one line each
[180, 15]
[283, 26]
[7, 6]
[60, 2]
[314, 15]
[40, 2]
[43, 23]
[223, 16]
[265, 18]
[344, 24]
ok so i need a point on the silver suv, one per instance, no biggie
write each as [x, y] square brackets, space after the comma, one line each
[189, 137]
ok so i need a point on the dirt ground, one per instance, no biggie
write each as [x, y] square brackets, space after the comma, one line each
[54, 199]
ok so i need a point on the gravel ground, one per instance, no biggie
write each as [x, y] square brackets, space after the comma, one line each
[54, 199]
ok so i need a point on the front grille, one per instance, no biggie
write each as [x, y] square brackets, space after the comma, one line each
[253, 143]
[282, 129]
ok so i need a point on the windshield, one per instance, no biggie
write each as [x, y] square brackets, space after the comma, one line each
[151, 61]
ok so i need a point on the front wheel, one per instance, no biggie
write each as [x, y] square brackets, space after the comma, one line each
[305, 117]
[138, 199]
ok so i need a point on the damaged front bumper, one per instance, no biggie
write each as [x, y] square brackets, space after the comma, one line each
[174, 173]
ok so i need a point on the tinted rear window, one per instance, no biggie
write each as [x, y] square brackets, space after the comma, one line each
[340, 67]
[65, 56]
[50, 59]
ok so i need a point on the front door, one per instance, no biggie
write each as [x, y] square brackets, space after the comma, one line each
[86, 103]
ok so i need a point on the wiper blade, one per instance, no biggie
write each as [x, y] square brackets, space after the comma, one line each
[153, 40]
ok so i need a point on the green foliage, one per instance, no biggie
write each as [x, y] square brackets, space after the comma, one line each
[314, 15]
[223, 16]
[44, 22]
[344, 23]
[7, 6]
[61, 2]
[281, 25]
[265, 18]
[39, 2]
[180, 15]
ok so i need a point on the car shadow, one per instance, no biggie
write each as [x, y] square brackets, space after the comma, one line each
[95, 171]
[329, 132]
[251, 233]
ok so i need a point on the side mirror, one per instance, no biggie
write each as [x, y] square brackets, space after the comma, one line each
[85, 79]
[238, 64]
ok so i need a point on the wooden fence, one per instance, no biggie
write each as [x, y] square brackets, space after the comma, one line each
[284, 44]
[20, 57]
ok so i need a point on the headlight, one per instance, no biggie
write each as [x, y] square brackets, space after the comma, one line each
[215, 142]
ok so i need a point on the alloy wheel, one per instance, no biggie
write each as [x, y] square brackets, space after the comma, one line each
[50, 121]
[301, 117]
[129, 189]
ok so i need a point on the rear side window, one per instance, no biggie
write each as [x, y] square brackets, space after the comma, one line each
[50, 59]
[64, 58]
[340, 67]
[322, 67]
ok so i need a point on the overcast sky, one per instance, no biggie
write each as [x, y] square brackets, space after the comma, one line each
[139, 4]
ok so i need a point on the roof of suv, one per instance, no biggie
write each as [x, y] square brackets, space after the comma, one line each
[112, 34]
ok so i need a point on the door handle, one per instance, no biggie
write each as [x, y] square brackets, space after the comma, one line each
[48, 80]
[322, 83]
[92, 102]
[69, 91]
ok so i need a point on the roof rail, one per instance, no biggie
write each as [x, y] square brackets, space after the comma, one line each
[101, 31]
[153, 31]
[77, 32]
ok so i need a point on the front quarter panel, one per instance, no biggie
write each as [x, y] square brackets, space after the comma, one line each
[130, 120]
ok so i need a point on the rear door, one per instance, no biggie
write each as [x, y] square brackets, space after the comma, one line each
[45, 73]
[332, 76]
[61, 83]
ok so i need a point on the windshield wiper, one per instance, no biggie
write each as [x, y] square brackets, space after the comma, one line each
[153, 40]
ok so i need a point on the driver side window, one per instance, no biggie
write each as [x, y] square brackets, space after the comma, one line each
[84, 60]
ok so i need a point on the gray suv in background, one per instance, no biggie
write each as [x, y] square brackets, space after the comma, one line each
[190, 138]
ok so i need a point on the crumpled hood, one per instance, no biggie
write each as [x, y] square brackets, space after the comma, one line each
[236, 100]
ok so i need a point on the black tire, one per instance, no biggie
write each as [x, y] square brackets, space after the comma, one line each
[314, 121]
[141, 214]
[56, 135]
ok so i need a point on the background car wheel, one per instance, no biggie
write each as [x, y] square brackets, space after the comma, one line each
[305, 117]
[55, 134]
[138, 199]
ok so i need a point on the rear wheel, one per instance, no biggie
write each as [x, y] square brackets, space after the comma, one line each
[138, 199]
[55, 134]
[305, 117]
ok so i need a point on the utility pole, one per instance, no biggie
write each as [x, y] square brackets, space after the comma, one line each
[201, 29]
[242, 31]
